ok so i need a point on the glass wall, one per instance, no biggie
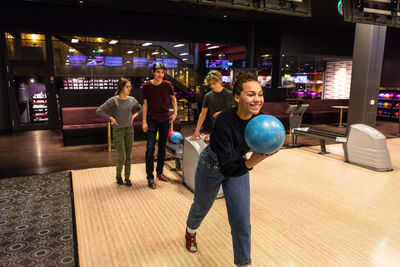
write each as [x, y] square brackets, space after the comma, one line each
[26, 55]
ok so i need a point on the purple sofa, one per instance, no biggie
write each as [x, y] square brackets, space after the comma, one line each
[81, 125]
[278, 110]
[321, 111]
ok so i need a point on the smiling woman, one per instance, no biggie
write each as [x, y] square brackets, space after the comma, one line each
[224, 162]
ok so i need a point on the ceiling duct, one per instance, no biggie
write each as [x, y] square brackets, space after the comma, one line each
[284, 7]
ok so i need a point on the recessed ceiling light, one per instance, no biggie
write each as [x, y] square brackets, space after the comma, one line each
[225, 16]
[207, 55]
[113, 42]
[71, 50]
[130, 52]
[213, 47]
[74, 40]
[184, 59]
[155, 53]
[146, 44]
[80, 2]
[183, 54]
[179, 45]
[208, 44]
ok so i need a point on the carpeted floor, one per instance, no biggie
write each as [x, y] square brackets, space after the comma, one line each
[37, 221]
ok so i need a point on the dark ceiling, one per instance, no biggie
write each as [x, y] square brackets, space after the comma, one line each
[324, 12]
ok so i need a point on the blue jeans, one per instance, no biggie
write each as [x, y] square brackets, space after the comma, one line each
[163, 128]
[237, 197]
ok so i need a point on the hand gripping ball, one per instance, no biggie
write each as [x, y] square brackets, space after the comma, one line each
[264, 134]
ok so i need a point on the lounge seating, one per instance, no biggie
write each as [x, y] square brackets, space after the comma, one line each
[81, 125]
[321, 111]
[278, 110]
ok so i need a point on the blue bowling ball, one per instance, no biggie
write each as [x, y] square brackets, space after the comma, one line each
[264, 134]
[176, 137]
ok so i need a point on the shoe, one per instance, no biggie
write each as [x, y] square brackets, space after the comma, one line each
[128, 182]
[119, 180]
[152, 184]
[161, 177]
[191, 244]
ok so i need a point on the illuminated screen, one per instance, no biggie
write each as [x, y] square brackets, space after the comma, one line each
[300, 79]
[170, 63]
[217, 63]
[77, 60]
[95, 61]
[140, 62]
[226, 79]
[113, 61]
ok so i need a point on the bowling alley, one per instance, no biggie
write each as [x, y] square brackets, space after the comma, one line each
[187, 133]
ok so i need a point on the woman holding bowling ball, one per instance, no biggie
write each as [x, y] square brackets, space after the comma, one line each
[223, 162]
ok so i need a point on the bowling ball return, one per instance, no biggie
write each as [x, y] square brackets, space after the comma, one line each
[363, 145]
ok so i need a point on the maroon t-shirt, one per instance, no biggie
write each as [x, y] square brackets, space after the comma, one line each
[158, 97]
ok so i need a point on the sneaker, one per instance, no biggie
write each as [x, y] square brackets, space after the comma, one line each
[152, 184]
[191, 244]
[128, 182]
[161, 177]
[119, 180]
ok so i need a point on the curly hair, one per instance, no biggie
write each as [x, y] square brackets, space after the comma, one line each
[121, 84]
[241, 78]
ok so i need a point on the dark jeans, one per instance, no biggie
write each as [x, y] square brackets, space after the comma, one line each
[208, 180]
[163, 128]
[123, 139]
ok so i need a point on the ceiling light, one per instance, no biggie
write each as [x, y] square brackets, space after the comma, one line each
[71, 50]
[213, 47]
[208, 44]
[207, 55]
[130, 52]
[183, 54]
[178, 45]
[146, 44]
[155, 53]
[225, 16]
[80, 2]
[184, 59]
[74, 40]
[113, 42]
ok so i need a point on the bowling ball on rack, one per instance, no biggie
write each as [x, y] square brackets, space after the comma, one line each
[380, 104]
[397, 105]
[176, 137]
[396, 114]
[380, 112]
[386, 104]
[169, 135]
[264, 134]
[387, 95]
[398, 96]
[381, 95]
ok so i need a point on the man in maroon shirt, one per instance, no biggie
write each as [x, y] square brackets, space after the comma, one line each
[156, 94]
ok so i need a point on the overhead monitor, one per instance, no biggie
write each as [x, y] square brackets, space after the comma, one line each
[377, 12]
[95, 61]
[77, 61]
[113, 61]
[170, 63]
[140, 62]
[284, 7]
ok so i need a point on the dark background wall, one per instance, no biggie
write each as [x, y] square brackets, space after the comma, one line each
[302, 37]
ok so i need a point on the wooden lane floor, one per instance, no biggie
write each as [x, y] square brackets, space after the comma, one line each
[306, 210]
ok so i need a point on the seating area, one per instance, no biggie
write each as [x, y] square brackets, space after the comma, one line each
[319, 111]
[81, 125]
